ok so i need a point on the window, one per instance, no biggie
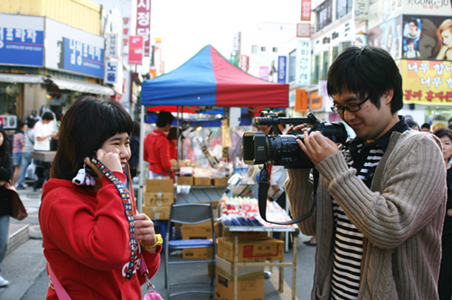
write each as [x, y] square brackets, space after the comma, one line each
[275, 49]
[254, 49]
[315, 69]
[263, 49]
[292, 62]
[343, 7]
[324, 14]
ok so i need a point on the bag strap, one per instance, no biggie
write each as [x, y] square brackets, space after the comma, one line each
[60, 291]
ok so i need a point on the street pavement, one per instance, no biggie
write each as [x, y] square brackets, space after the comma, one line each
[25, 265]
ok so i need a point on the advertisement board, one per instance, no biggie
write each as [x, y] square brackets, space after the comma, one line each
[264, 72]
[136, 51]
[282, 69]
[303, 63]
[21, 40]
[387, 36]
[74, 50]
[427, 82]
[421, 39]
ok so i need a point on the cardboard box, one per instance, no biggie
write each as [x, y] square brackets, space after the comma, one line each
[197, 231]
[221, 181]
[252, 288]
[159, 185]
[245, 234]
[203, 181]
[157, 212]
[226, 268]
[251, 250]
[197, 253]
[185, 180]
[158, 199]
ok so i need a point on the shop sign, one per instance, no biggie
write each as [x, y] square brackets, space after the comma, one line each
[361, 10]
[316, 101]
[144, 23]
[264, 72]
[21, 40]
[8, 121]
[136, 50]
[112, 47]
[427, 7]
[303, 30]
[244, 62]
[71, 49]
[427, 82]
[303, 62]
[282, 69]
[111, 71]
[305, 10]
[158, 56]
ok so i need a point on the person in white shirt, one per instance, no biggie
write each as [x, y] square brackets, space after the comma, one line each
[43, 134]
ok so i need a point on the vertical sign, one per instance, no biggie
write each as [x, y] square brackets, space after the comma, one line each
[136, 50]
[263, 73]
[303, 30]
[111, 71]
[282, 67]
[305, 10]
[144, 23]
[158, 56]
[303, 63]
[112, 47]
[244, 62]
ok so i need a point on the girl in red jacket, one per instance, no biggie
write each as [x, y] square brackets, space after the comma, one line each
[89, 239]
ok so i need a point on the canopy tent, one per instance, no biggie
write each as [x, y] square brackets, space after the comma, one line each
[207, 80]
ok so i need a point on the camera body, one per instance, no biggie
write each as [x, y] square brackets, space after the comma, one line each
[259, 148]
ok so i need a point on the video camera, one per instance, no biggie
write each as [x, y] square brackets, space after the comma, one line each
[259, 148]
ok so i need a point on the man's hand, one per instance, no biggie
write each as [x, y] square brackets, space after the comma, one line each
[317, 147]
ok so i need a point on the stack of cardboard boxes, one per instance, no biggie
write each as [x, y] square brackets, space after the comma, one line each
[158, 197]
[252, 247]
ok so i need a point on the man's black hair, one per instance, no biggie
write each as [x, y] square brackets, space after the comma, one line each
[47, 116]
[164, 118]
[426, 125]
[366, 71]
[450, 120]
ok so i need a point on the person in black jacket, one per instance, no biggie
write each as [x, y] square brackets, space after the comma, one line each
[135, 149]
[6, 172]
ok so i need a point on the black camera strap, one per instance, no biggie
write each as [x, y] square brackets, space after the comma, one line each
[264, 185]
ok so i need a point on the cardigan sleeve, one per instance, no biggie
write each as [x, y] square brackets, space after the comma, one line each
[411, 192]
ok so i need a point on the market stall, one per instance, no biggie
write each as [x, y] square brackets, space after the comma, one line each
[205, 82]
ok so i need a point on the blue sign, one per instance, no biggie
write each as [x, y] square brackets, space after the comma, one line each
[282, 67]
[82, 58]
[21, 46]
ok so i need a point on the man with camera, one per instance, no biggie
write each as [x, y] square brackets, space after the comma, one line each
[380, 198]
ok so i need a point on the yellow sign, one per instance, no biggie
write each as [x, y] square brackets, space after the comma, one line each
[427, 82]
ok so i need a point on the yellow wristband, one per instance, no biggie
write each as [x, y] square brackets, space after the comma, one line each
[159, 242]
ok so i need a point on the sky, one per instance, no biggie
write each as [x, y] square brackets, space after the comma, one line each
[186, 26]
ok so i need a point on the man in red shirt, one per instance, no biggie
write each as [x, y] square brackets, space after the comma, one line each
[156, 147]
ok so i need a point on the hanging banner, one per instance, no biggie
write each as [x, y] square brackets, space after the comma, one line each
[111, 71]
[427, 82]
[282, 69]
[305, 10]
[303, 62]
[264, 72]
[21, 40]
[112, 45]
[136, 50]
[144, 23]
[244, 62]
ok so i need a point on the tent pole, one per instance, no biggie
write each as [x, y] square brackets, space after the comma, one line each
[141, 162]
[178, 139]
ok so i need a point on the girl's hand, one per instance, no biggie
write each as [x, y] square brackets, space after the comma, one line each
[109, 159]
[144, 230]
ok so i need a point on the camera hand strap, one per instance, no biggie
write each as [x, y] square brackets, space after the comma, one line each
[263, 192]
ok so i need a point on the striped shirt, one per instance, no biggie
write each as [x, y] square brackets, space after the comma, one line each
[348, 241]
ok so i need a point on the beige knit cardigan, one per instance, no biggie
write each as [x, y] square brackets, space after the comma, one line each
[401, 218]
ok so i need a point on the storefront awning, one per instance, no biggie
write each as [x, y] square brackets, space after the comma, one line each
[82, 86]
[21, 78]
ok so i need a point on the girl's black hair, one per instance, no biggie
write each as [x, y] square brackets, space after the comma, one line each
[366, 71]
[5, 148]
[87, 124]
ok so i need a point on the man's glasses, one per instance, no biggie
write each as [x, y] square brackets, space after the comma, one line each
[352, 107]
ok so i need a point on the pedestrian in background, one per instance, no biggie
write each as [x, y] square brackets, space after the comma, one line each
[43, 134]
[445, 274]
[26, 154]
[87, 229]
[381, 198]
[18, 149]
[6, 173]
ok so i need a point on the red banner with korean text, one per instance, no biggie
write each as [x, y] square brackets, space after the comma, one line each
[427, 82]
[136, 50]
[144, 23]
[305, 10]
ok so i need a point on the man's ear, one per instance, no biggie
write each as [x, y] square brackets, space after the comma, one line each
[388, 95]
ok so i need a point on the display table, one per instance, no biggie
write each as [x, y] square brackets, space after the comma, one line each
[286, 229]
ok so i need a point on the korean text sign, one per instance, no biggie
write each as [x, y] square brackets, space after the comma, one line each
[427, 81]
[21, 40]
[135, 50]
[144, 23]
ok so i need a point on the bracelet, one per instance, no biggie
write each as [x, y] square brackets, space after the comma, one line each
[159, 241]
